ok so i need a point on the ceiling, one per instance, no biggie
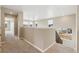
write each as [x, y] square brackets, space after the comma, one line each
[34, 12]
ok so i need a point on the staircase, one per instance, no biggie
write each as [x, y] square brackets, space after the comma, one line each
[58, 39]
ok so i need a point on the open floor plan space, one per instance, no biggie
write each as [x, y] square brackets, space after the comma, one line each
[38, 29]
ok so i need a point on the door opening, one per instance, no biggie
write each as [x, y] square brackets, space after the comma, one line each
[9, 26]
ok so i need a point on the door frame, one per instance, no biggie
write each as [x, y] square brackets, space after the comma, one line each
[19, 21]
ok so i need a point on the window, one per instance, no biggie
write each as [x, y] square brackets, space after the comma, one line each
[27, 22]
[50, 23]
[30, 23]
[36, 23]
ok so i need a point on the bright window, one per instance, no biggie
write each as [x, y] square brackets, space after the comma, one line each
[30, 23]
[50, 23]
[26, 22]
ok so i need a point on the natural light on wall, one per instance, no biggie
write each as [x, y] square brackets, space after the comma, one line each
[26, 22]
[30, 23]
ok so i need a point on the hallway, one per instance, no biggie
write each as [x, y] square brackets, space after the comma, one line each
[12, 45]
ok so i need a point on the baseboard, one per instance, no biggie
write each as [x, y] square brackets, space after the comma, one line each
[33, 45]
[38, 47]
[49, 47]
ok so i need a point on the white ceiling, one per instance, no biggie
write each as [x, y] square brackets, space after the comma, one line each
[34, 12]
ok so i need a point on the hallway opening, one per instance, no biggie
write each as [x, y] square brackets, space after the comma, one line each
[10, 25]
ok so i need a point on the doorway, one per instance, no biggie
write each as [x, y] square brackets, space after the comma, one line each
[9, 26]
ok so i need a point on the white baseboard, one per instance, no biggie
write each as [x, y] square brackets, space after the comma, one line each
[49, 47]
[33, 45]
[38, 47]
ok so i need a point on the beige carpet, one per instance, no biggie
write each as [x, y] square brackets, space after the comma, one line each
[58, 48]
[13, 45]
[19, 46]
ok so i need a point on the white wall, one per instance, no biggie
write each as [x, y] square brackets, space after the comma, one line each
[67, 22]
[40, 37]
[43, 38]
[42, 23]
